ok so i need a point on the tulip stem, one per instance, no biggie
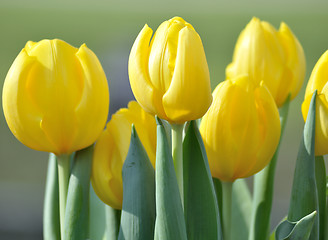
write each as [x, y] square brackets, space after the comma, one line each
[177, 130]
[227, 193]
[63, 162]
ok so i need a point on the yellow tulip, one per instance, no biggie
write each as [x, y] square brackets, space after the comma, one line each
[55, 97]
[319, 81]
[168, 74]
[275, 57]
[241, 129]
[112, 148]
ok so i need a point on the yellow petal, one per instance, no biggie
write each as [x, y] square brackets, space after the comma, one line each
[22, 114]
[112, 148]
[60, 102]
[321, 130]
[295, 63]
[145, 93]
[106, 175]
[189, 94]
[94, 100]
[275, 57]
[241, 129]
[319, 76]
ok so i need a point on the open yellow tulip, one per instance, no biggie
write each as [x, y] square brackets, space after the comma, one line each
[55, 97]
[241, 129]
[275, 57]
[112, 148]
[169, 75]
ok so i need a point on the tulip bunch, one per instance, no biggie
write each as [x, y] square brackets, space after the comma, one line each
[158, 173]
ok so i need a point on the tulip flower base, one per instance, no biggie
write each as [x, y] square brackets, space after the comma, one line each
[159, 174]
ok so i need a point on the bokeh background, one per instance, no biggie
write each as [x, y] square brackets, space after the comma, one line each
[109, 28]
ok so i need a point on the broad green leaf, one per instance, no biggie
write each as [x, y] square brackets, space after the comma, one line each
[320, 174]
[263, 189]
[170, 222]
[299, 230]
[304, 199]
[241, 210]
[76, 225]
[138, 209]
[200, 203]
[51, 219]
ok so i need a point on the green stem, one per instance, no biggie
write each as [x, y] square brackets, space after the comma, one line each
[320, 175]
[227, 200]
[63, 162]
[326, 222]
[177, 130]
[113, 222]
[51, 227]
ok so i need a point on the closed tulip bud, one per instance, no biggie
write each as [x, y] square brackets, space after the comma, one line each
[275, 57]
[169, 75]
[319, 81]
[241, 129]
[112, 148]
[55, 97]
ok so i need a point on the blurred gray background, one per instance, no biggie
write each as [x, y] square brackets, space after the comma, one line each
[109, 28]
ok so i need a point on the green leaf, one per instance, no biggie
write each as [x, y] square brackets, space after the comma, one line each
[299, 230]
[320, 174]
[304, 199]
[263, 189]
[51, 219]
[200, 203]
[170, 222]
[138, 209]
[241, 210]
[76, 225]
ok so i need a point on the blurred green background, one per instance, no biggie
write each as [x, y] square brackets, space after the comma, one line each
[109, 28]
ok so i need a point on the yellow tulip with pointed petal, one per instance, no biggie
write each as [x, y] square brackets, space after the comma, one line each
[55, 97]
[319, 81]
[275, 57]
[112, 148]
[241, 129]
[168, 74]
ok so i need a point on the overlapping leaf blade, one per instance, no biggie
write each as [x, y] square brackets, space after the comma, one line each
[299, 230]
[170, 222]
[304, 199]
[200, 202]
[138, 210]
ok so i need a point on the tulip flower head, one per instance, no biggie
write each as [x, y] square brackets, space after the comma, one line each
[241, 129]
[112, 148]
[55, 97]
[275, 57]
[168, 74]
[319, 81]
